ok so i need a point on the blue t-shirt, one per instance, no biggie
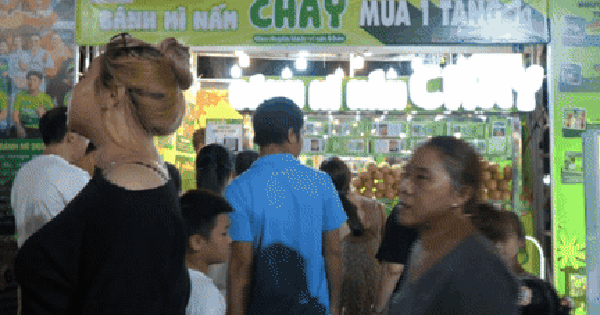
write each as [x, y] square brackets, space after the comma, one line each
[280, 201]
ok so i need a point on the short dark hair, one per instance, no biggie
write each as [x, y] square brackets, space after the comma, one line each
[213, 168]
[273, 118]
[35, 73]
[174, 174]
[244, 160]
[199, 209]
[53, 125]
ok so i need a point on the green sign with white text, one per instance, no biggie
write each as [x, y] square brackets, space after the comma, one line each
[315, 22]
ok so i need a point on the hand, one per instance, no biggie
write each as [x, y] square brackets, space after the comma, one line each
[23, 66]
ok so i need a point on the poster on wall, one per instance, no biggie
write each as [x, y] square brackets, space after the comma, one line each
[312, 22]
[574, 99]
[227, 132]
[37, 52]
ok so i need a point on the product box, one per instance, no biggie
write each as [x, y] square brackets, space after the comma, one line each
[316, 127]
[314, 145]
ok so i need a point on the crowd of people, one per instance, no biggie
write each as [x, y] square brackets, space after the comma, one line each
[104, 227]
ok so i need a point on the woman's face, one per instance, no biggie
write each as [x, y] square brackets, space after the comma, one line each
[83, 112]
[426, 192]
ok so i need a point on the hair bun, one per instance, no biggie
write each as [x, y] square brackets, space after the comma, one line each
[179, 57]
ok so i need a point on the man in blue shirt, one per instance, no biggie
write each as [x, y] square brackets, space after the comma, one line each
[283, 209]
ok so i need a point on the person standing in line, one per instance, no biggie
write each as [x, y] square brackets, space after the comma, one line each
[505, 230]
[213, 172]
[453, 268]
[119, 246]
[394, 255]
[206, 217]
[244, 160]
[278, 201]
[366, 218]
[46, 184]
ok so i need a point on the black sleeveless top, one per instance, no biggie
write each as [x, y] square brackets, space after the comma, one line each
[110, 251]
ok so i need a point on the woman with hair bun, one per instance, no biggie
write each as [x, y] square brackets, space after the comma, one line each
[366, 220]
[453, 268]
[119, 246]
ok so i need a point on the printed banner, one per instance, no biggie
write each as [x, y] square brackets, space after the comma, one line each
[574, 98]
[315, 22]
[37, 50]
[227, 132]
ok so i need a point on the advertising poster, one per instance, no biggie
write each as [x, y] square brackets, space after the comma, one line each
[13, 154]
[227, 132]
[37, 50]
[314, 22]
[574, 98]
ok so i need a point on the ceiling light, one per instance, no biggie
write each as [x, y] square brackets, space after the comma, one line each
[301, 64]
[236, 72]
[287, 73]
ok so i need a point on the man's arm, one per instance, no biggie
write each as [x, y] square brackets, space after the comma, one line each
[334, 268]
[239, 278]
[390, 274]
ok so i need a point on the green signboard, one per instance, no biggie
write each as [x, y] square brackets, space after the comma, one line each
[314, 22]
[574, 101]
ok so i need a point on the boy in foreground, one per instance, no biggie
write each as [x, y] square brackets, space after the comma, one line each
[206, 217]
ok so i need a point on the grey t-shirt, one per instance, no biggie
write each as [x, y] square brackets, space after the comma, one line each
[471, 279]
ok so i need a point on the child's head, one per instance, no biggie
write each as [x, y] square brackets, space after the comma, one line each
[34, 80]
[207, 225]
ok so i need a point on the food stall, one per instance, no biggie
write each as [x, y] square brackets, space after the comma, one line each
[374, 78]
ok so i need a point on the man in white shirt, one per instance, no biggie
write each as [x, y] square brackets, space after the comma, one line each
[206, 218]
[47, 183]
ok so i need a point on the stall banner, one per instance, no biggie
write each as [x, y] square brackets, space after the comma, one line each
[315, 22]
[37, 51]
[14, 153]
[574, 97]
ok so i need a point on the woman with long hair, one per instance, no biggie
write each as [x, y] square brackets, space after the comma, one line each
[119, 246]
[213, 168]
[366, 220]
[453, 268]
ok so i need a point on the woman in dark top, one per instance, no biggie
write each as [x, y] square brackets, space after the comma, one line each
[393, 254]
[453, 268]
[366, 219]
[119, 246]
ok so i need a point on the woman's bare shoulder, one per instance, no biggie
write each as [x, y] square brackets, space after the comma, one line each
[135, 177]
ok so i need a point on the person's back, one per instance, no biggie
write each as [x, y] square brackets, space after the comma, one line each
[286, 203]
[280, 201]
[46, 184]
[362, 271]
